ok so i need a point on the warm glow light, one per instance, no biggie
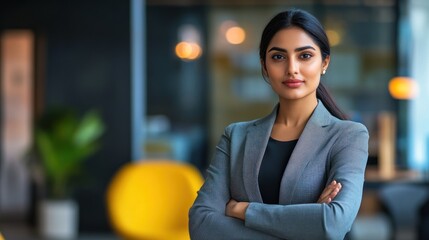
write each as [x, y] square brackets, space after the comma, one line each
[235, 35]
[183, 49]
[196, 51]
[188, 51]
[334, 37]
[403, 88]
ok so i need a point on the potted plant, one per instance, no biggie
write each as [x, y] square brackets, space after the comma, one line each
[63, 141]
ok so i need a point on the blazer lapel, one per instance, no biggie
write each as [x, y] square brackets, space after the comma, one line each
[254, 149]
[312, 135]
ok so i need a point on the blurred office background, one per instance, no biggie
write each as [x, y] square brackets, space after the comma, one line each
[167, 76]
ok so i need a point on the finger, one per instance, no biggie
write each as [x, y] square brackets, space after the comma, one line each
[330, 192]
[326, 200]
[328, 189]
[335, 192]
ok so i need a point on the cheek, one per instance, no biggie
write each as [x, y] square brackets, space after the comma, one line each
[311, 70]
[275, 69]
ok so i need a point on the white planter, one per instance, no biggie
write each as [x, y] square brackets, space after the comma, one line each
[58, 219]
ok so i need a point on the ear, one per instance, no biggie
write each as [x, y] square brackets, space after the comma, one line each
[325, 63]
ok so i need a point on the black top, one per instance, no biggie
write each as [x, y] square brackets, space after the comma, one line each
[272, 168]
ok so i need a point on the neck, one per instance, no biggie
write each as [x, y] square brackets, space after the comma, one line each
[294, 113]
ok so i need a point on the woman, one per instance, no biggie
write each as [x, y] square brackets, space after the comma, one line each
[297, 173]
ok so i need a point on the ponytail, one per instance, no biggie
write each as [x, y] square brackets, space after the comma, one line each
[324, 96]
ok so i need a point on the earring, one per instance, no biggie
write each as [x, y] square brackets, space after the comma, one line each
[324, 72]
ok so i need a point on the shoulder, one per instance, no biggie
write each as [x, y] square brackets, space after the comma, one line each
[348, 125]
[335, 126]
[240, 127]
[324, 118]
[349, 133]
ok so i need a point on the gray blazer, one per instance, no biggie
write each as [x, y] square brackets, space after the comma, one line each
[327, 149]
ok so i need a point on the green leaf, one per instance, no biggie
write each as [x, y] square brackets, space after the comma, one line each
[64, 142]
[89, 129]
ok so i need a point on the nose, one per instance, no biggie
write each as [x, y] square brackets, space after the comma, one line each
[292, 66]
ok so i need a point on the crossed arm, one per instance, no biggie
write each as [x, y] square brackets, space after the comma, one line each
[238, 209]
[215, 215]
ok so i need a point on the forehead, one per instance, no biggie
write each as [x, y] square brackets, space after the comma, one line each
[291, 38]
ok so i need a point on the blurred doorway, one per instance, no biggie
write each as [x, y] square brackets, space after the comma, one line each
[17, 82]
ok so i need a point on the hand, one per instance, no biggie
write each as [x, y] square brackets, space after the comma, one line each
[236, 209]
[330, 192]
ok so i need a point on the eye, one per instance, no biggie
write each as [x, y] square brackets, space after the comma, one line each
[306, 56]
[277, 57]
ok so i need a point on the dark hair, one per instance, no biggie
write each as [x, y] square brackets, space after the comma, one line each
[312, 26]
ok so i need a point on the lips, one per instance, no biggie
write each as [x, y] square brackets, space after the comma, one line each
[293, 83]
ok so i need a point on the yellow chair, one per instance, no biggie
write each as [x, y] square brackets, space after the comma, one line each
[1, 237]
[151, 199]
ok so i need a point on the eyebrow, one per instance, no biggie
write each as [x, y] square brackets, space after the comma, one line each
[296, 49]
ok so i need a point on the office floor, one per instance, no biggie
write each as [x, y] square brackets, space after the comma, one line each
[17, 231]
[20, 232]
[370, 229]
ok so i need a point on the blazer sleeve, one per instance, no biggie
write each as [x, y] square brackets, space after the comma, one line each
[321, 221]
[207, 219]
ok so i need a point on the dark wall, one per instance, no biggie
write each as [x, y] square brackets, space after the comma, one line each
[176, 88]
[84, 62]
[179, 89]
